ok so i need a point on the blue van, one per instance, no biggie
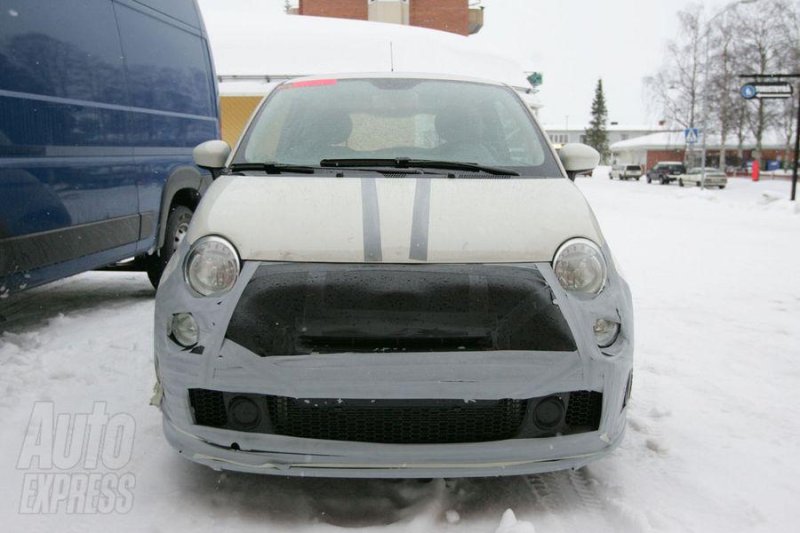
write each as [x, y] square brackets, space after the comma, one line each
[101, 103]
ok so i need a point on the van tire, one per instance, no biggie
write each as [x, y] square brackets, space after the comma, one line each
[177, 225]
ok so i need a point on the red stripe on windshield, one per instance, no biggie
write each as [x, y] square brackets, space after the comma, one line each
[311, 83]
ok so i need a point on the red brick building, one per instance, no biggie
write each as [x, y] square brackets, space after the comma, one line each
[456, 16]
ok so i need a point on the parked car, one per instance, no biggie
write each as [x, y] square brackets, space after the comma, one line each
[665, 172]
[101, 103]
[393, 276]
[625, 172]
[714, 178]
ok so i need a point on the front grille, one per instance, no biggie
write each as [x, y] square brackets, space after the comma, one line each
[424, 421]
[437, 421]
[300, 309]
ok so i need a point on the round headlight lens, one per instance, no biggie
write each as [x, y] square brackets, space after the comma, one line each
[580, 266]
[212, 266]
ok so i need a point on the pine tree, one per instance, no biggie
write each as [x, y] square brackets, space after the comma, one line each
[596, 134]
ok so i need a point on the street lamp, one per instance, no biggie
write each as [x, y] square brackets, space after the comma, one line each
[720, 13]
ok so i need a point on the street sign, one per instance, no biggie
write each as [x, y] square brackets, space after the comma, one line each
[766, 89]
[535, 79]
[691, 135]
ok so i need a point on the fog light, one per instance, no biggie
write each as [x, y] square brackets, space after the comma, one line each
[605, 332]
[244, 412]
[549, 413]
[184, 329]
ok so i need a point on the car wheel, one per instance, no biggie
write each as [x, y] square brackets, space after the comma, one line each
[680, 182]
[721, 187]
[637, 178]
[648, 179]
[177, 226]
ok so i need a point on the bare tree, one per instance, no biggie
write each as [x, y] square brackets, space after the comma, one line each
[759, 37]
[676, 87]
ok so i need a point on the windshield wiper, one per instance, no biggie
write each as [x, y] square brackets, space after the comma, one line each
[271, 167]
[407, 162]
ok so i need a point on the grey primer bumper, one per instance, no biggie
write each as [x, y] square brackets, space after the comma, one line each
[380, 370]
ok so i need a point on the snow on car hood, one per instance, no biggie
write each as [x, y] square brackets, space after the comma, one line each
[394, 220]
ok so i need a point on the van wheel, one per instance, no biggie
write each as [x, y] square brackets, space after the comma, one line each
[177, 226]
[680, 182]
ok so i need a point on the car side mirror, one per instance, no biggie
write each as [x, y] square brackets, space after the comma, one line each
[578, 158]
[212, 155]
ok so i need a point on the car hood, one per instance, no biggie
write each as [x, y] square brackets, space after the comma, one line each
[394, 220]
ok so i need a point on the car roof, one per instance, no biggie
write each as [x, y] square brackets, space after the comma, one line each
[669, 163]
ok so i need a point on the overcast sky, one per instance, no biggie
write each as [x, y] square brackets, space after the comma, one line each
[572, 42]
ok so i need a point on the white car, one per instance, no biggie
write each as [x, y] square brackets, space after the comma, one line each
[625, 172]
[393, 276]
[694, 176]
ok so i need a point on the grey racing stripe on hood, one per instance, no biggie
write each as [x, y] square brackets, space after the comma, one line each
[370, 213]
[421, 221]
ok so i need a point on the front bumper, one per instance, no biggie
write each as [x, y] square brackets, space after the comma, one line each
[224, 365]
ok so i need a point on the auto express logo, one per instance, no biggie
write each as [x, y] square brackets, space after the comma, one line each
[75, 462]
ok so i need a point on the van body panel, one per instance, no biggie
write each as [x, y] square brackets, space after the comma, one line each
[101, 101]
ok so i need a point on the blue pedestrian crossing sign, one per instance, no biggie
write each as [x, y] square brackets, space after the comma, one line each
[691, 135]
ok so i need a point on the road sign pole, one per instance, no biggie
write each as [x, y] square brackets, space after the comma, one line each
[796, 148]
[776, 89]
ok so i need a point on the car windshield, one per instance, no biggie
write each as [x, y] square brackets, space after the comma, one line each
[305, 122]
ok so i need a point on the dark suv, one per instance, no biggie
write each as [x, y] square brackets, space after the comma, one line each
[665, 172]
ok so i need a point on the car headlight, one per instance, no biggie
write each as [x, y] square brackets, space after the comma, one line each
[580, 267]
[212, 266]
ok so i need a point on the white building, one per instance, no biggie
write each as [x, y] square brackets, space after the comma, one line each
[563, 133]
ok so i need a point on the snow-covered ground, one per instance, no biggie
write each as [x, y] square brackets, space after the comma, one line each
[714, 429]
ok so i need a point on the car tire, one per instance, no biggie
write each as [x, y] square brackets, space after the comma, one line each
[680, 182]
[177, 226]
[637, 178]
[648, 179]
[721, 187]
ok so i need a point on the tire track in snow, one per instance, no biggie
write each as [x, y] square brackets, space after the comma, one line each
[572, 501]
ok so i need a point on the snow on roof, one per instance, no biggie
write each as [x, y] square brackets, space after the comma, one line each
[291, 45]
[675, 140]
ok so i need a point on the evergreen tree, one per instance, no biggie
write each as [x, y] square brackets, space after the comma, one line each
[596, 134]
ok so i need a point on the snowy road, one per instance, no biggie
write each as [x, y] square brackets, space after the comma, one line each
[713, 442]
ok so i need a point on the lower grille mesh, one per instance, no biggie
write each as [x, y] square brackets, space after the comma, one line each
[397, 421]
[448, 422]
[584, 409]
[209, 407]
